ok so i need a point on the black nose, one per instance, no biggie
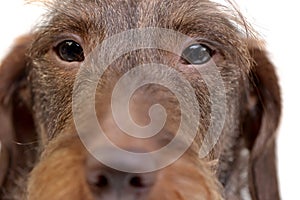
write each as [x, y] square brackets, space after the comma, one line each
[111, 184]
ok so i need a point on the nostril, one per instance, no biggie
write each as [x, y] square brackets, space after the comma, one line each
[101, 181]
[136, 182]
[98, 178]
[140, 181]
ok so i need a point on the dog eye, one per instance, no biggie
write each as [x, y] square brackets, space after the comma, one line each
[196, 54]
[70, 51]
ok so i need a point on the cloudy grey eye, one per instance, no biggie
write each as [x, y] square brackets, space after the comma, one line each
[69, 51]
[196, 54]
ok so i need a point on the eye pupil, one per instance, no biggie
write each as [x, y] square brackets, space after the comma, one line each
[196, 54]
[70, 51]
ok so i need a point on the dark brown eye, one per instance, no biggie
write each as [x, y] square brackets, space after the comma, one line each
[196, 54]
[69, 51]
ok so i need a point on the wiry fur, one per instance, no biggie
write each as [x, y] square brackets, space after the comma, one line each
[36, 103]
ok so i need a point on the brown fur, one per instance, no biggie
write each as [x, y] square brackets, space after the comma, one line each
[36, 104]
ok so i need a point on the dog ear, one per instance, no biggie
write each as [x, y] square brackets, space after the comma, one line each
[16, 121]
[261, 121]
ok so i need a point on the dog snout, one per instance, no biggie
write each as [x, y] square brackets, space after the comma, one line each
[109, 183]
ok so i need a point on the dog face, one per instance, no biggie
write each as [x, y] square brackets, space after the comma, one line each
[194, 42]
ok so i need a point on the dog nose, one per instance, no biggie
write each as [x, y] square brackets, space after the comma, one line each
[111, 184]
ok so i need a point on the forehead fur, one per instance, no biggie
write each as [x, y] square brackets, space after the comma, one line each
[94, 20]
[125, 14]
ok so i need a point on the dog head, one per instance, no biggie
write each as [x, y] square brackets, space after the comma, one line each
[198, 61]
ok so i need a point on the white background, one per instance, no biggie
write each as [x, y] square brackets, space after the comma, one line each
[275, 20]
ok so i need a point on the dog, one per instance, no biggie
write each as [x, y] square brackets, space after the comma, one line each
[212, 97]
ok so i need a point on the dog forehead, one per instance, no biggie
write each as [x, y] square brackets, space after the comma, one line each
[96, 20]
[127, 14]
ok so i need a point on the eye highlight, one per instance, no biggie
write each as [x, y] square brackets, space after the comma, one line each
[69, 51]
[196, 54]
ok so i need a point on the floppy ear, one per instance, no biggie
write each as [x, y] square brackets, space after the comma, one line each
[16, 122]
[261, 122]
